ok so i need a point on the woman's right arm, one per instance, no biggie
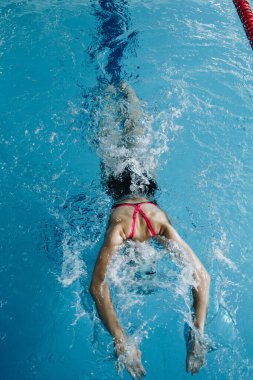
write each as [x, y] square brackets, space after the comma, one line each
[101, 294]
[100, 290]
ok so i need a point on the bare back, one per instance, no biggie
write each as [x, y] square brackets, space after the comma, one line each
[123, 218]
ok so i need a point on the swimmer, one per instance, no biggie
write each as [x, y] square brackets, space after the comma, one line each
[136, 216]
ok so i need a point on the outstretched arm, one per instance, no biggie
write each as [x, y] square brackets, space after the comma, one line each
[195, 354]
[201, 276]
[100, 290]
[101, 294]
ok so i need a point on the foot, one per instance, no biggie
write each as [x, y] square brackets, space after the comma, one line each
[129, 92]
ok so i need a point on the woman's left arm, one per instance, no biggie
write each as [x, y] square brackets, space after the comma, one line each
[201, 276]
[195, 352]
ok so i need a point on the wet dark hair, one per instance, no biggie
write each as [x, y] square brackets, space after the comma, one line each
[120, 186]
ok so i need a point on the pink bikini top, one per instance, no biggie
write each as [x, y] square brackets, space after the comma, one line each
[137, 210]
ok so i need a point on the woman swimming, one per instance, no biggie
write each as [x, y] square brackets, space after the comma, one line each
[136, 216]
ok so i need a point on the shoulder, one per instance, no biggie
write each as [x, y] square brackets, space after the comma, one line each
[166, 228]
[114, 235]
[163, 216]
[169, 232]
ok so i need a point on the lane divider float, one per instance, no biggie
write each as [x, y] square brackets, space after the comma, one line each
[246, 15]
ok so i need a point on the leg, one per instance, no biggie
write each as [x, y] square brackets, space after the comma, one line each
[109, 115]
[129, 92]
[134, 115]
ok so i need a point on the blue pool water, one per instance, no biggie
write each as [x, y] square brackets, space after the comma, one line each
[191, 65]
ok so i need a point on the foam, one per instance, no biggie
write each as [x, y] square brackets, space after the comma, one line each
[116, 145]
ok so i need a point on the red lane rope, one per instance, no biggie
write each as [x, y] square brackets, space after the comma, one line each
[246, 15]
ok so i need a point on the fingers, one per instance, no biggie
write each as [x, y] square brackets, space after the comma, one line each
[131, 370]
[132, 373]
[196, 352]
[133, 364]
[195, 369]
[140, 372]
[141, 369]
[139, 364]
[136, 370]
[193, 364]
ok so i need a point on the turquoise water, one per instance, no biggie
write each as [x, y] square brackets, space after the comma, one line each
[191, 65]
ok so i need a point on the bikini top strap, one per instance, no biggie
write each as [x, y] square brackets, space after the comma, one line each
[150, 227]
[151, 203]
[123, 204]
[136, 210]
[133, 204]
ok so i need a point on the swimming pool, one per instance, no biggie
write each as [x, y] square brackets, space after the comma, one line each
[191, 64]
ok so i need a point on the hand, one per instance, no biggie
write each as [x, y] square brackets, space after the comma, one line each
[196, 352]
[133, 363]
[130, 357]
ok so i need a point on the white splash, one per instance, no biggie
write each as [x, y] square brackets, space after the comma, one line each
[73, 266]
[221, 250]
